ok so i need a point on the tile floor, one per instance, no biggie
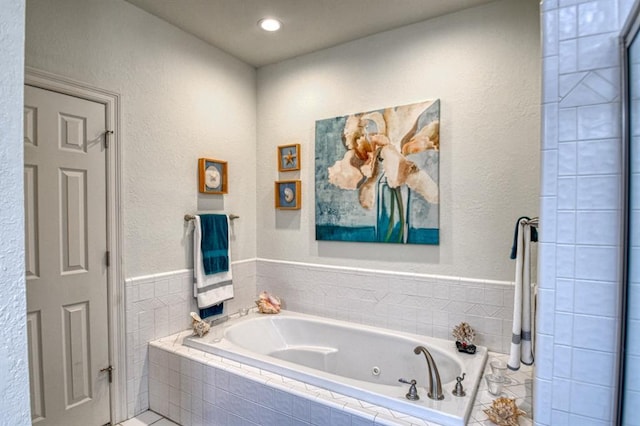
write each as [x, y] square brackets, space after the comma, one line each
[146, 419]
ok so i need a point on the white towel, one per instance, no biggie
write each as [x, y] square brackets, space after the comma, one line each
[211, 289]
[521, 349]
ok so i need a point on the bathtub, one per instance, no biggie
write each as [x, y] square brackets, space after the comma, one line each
[351, 359]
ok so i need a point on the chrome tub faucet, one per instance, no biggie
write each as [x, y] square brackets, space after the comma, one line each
[435, 386]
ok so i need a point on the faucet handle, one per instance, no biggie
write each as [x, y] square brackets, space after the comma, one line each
[458, 390]
[413, 392]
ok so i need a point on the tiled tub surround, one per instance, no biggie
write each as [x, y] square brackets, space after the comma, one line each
[194, 388]
[343, 357]
[158, 306]
[429, 305]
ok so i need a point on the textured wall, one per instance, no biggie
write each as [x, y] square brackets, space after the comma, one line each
[581, 205]
[484, 65]
[14, 377]
[181, 99]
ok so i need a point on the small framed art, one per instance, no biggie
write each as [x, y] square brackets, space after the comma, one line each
[213, 176]
[288, 195]
[289, 157]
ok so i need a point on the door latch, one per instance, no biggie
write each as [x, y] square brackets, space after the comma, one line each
[109, 370]
[106, 137]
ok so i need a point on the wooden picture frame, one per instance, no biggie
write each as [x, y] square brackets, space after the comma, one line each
[212, 176]
[288, 195]
[289, 157]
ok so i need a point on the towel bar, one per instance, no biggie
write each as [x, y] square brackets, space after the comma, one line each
[188, 217]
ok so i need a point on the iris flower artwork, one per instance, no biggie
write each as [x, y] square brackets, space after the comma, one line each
[377, 175]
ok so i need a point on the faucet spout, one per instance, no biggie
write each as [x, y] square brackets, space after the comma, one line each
[435, 386]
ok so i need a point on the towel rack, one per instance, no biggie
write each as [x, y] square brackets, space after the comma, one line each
[188, 217]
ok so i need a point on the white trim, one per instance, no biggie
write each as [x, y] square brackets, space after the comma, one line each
[116, 307]
[240, 262]
[160, 275]
[385, 272]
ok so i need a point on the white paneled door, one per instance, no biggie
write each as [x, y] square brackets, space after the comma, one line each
[66, 258]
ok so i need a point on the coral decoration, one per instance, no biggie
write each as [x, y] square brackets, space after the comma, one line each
[464, 333]
[268, 304]
[504, 412]
[200, 327]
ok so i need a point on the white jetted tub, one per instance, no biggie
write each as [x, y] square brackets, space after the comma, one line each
[352, 359]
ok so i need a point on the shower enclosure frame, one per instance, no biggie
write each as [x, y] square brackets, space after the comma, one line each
[630, 33]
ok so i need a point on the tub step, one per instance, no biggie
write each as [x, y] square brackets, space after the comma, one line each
[318, 357]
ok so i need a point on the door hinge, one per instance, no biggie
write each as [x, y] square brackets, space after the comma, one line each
[106, 137]
[107, 257]
[109, 370]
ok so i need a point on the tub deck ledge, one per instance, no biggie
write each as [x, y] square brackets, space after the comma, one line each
[205, 373]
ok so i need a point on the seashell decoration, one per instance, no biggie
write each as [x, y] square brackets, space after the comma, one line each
[504, 412]
[200, 327]
[268, 304]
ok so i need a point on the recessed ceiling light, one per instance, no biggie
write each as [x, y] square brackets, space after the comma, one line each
[269, 24]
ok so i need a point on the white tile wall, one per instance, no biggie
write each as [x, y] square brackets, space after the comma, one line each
[416, 303]
[581, 169]
[158, 306]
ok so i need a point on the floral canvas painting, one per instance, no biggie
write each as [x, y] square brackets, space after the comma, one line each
[377, 175]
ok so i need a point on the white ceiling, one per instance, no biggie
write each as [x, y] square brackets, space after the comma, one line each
[308, 25]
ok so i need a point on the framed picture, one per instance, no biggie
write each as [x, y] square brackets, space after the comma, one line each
[399, 200]
[289, 157]
[288, 194]
[213, 176]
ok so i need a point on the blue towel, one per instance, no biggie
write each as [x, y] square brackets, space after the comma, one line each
[215, 243]
[211, 311]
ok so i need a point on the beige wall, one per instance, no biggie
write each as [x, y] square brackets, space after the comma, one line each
[484, 65]
[181, 99]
